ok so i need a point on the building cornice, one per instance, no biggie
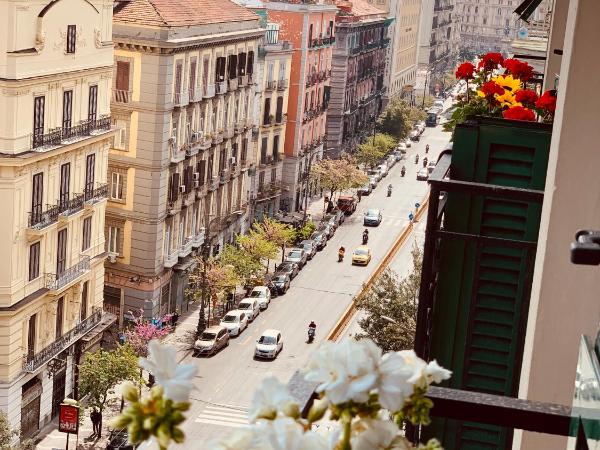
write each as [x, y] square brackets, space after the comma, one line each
[9, 82]
[185, 44]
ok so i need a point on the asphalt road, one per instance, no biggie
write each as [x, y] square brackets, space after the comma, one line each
[321, 292]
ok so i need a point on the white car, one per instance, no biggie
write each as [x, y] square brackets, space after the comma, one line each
[251, 307]
[269, 344]
[235, 321]
[408, 143]
[383, 168]
[263, 295]
[401, 147]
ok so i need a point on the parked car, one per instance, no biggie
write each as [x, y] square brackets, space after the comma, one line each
[383, 168]
[372, 217]
[365, 190]
[423, 174]
[361, 255]
[262, 294]
[282, 282]
[347, 203]
[269, 344]
[320, 238]
[298, 256]
[408, 142]
[251, 307]
[328, 229]
[398, 155]
[421, 126]
[289, 268]
[375, 173]
[331, 220]
[414, 136]
[119, 440]
[391, 160]
[339, 215]
[310, 247]
[401, 147]
[431, 166]
[235, 321]
[373, 182]
[212, 340]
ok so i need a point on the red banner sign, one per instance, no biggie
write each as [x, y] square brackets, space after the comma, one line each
[68, 419]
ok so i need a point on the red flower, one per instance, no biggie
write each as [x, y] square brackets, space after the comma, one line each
[465, 71]
[547, 101]
[527, 97]
[490, 88]
[519, 113]
[518, 69]
[491, 61]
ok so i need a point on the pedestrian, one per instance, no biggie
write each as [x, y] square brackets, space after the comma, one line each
[175, 318]
[96, 418]
[359, 195]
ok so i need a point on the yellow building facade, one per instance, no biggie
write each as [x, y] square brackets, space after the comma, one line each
[55, 134]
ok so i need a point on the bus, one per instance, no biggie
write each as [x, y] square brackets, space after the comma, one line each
[433, 118]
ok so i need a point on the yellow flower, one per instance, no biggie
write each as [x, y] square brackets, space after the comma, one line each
[508, 83]
[507, 99]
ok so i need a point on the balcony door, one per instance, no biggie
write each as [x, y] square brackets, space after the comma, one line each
[93, 105]
[65, 181]
[61, 253]
[37, 194]
[38, 121]
[90, 164]
[31, 334]
[67, 122]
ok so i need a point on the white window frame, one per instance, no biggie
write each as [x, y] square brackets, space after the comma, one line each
[120, 138]
[113, 238]
[116, 186]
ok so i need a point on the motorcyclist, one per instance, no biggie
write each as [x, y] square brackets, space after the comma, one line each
[425, 162]
[312, 324]
[365, 236]
[403, 171]
[416, 159]
[389, 190]
[427, 148]
[341, 252]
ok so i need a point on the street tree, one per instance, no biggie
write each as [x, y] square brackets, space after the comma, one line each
[279, 233]
[369, 154]
[337, 175]
[398, 118]
[143, 331]
[390, 307]
[244, 265]
[306, 231]
[102, 370]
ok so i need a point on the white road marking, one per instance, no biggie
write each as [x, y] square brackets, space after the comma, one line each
[226, 417]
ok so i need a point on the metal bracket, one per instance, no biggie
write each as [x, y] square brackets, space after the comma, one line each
[586, 248]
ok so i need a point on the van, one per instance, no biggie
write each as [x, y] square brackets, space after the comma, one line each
[251, 307]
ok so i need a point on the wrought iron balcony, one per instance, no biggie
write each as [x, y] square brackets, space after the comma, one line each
[233, 84]
[186, 247]
[70, 206]
[213, 183]
[224, 176]
[268, 190]
[58, 136]
[270, 85]
[56, 282]
[282, 85]
[208, 90]
[242, 80]
[180, 98]
[221, 87]
[240, 126]
[229, 131]
[39, 219]
[93, 195]
[195, 95]
[37, 360]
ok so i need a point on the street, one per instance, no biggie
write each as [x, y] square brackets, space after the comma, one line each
[321, 292]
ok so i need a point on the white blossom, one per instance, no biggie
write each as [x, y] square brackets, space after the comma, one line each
[434, 373]
[238, 440]
[373, 434]
[269, 400]
[287, 434]
[175, 379]
[346, 370]
[392, 386]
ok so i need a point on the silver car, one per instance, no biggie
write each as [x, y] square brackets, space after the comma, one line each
[212, 340]
[298, 256]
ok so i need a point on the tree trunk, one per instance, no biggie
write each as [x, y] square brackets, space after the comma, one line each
[100, 426]
[282, 252]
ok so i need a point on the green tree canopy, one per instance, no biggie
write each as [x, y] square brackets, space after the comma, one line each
[398, 118]
[257, 246]
[244, 265]
[369, 154]
[276, 232]
[337, 175]
[390, 308]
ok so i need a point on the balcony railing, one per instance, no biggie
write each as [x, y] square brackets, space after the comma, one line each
[233, 84]
[221, 87]
[229, 131]
[186, 247]
[280, 119]
[270, 85]
[208, 90]
[71, 206]
[31, 364]
[171, 258]
[195, 95]
[121, 96]
[282, 85]
[240, 126]
[224, 176]
[41, 219]
[242, 80]
[198, 239]
[96, 194]
[55, 282]
[58, 136]
[268, 190]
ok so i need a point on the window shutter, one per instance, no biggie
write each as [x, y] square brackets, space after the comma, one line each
[202, 171]
[242, 64]
[250, 65]
[122, 83]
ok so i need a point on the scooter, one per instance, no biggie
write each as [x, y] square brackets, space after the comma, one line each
[311, 334]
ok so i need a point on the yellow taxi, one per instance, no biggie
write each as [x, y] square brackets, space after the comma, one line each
[361, 256]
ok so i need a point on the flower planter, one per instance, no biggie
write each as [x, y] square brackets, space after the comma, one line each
[482, 295]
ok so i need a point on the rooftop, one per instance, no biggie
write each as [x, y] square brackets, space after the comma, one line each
[360, 9]
[174, 13]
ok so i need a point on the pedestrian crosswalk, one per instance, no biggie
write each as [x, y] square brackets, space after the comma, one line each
[224, 416]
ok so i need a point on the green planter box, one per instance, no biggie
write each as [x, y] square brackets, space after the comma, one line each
[482, 296]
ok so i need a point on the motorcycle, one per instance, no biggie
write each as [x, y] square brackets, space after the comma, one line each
[389, 191]
[341, 255]
[311, 334]
[427, 148]
[424, 162]
[403, 171]
[365, 238]
[416, 159]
